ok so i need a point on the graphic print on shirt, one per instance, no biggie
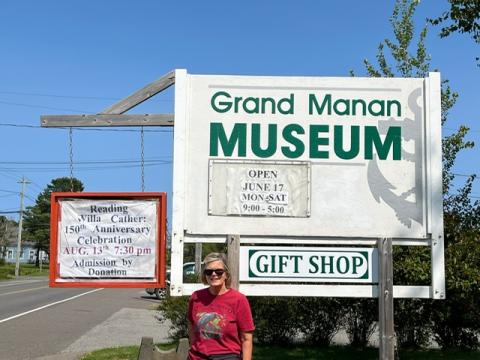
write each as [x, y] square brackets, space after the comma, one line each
[211, 325]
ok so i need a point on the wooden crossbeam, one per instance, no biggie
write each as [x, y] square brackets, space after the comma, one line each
[106, 120]
[141, 95]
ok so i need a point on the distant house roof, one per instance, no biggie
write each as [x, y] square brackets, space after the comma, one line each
[12, 235]
[24, 243]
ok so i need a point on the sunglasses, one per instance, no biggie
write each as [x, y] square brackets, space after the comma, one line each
[209, 272]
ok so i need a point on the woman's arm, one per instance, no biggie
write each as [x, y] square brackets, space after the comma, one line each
[247, 345]
[191, 333]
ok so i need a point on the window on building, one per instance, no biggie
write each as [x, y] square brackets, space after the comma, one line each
[31, 255]
[10, 254]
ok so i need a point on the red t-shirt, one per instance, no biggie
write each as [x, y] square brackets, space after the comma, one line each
[217, 321]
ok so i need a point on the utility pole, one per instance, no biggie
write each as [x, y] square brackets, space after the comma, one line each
[20, 222]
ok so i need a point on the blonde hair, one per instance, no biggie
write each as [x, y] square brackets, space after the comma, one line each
[212, 257]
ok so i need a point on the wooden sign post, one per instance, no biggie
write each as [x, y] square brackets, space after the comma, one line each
[233, 246]
[385, 300]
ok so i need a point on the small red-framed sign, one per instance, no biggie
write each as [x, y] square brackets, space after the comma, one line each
[108, 239]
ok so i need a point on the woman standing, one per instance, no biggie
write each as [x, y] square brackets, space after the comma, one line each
[220, 324]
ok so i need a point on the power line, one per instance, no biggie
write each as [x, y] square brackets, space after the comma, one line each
[4, 196]
[30, 198]
[51, 107]
[43, 107]
[68, 96]
[83, 128]
[108, 164]
[9, 191]
[9, 176]
[110, 167]
[59, 96]
[119, 161]
[36, 185]
[16, 178]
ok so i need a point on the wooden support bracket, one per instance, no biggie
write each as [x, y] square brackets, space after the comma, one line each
[141, 95]
[114, 115]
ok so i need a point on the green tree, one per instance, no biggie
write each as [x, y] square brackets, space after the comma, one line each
[463, 17]
[7, 231]
[456, 320]
[36, 219]
[452, 326]
[410, 61]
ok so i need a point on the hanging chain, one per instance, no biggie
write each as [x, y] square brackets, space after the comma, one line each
[142, 163]
[70, 144]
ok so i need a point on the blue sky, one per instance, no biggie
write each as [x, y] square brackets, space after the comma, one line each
[79, 57]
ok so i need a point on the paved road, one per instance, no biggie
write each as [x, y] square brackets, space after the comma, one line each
[19, 296]
[75, 312]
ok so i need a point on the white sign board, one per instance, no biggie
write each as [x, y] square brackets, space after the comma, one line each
[295, 264]
[107, 239]
[296, 160]
[363, 139]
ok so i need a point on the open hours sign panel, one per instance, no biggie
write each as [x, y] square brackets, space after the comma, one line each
[108, 239]
[259, 189]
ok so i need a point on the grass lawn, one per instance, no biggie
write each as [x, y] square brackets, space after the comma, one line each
[348, 353]
[7, 271]
[120, 353]
[303, 353]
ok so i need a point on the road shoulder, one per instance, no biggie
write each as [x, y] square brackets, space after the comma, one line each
[125, 327]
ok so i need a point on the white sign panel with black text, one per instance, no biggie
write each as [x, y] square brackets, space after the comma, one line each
[259, 189]
[308, 264]
[107, 239]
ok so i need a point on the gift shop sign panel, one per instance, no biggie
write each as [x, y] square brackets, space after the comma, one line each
[309, 264]
[113, 241]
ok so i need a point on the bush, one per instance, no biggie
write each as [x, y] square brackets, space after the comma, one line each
[361, 316]
[175, 309]
[456, 320]
[412, 323]
[7, 271]
[277, 320]
[321, 318]
[412, 266]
